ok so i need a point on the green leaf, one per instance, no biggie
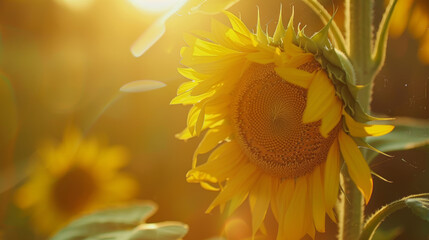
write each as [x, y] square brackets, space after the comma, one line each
[408, 134]
[419, 206]
[158, 231]
[387, 234]
[379, 53]
[124, 223]
[110, 220]
[418, 203]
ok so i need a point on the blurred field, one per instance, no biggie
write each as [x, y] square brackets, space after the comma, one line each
[62, 65]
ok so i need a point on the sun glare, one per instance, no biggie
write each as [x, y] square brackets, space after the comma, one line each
[154, 5]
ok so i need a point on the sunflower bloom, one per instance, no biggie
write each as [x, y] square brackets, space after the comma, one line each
[276, 126]
[71, 178]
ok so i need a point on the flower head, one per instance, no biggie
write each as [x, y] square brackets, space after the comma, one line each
[279, 112]
[73, 177]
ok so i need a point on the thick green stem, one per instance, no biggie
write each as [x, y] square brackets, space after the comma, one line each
[359, 32]
[359, 38]
[351, 209]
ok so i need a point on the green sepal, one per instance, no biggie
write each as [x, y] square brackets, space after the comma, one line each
[418, 203]
[381, 177]
[339, 69]
[408, 134]
[366, 145]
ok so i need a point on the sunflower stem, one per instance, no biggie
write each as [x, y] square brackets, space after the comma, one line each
[359, 38]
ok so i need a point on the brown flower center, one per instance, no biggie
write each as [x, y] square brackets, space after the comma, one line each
[73, 191]
[267, 119]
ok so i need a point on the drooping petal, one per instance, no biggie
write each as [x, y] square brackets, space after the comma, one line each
[318, 200]
[238, 25]
[295, 76]
[356, 165]
[332, 118]
[294, 219]
[212, 138]
[241, 182]
[320, 95]
[332, 175]
[280, 203]
[259, 200]
[358, 129]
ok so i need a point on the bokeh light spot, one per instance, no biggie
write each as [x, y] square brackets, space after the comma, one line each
[154, 5]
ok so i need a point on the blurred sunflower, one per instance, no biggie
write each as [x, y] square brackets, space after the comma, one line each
[276, 125]
[415, 15]
[76, 176]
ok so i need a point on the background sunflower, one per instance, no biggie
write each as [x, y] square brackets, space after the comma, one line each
[74, 177]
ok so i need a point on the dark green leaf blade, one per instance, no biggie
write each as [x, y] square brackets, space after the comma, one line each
[408, 134]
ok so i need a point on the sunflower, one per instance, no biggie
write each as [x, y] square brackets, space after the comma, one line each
[277, 120]
[415, 14]
[73, 177]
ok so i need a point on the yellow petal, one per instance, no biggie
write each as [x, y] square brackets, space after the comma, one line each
[191, 74]
[208, 186]
[358, 129]
[200, 121]
[212, 138]
[295, 76]
[332, 175]
[318, 200]
[259, 200]
[222, 163]
[295, 215]
[186, 86]
[184, 135]
[320, 96]
[236, 201]
[239, 183]
[332, 118]
[280, 203]
[356, 165]
[237, 24]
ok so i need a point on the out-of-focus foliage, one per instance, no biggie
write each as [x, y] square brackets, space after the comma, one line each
[122, 223]
[414, 16]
